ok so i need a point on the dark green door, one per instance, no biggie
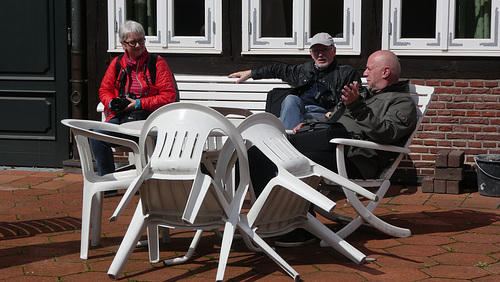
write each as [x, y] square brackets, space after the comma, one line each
[34, 82]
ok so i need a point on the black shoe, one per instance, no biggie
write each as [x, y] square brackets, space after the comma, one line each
[296, 238]
[110, 193]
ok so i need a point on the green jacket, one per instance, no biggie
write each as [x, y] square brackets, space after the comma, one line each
[386, 117]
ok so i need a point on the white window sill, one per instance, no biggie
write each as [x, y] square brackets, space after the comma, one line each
[485, 53]
[159, 50]
[292, 52]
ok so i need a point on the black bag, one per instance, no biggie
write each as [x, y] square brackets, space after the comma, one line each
[276, 96]
[317, 136]
[133, 116]
[274, 99]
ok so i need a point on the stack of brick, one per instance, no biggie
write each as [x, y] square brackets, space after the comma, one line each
[448, 174]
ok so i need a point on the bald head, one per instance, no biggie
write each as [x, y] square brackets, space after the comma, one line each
[382, 69]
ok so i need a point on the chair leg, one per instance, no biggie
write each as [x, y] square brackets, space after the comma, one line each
[132, 236]
[314, 226]
[86, 225]
[366, 214]
[250, 245]
[227, 240]
[264, 247]
[96, 218]
[153, 241]
[189, 253]
[153, 247]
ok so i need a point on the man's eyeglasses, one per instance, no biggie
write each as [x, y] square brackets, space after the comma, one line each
[322, 51]
[134, 43]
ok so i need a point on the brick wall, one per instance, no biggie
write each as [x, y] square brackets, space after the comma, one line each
[463, 115]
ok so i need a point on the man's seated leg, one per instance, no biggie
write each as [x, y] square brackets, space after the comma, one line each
[103, 155]
[292, 111]
[313, 111]
[262, 169]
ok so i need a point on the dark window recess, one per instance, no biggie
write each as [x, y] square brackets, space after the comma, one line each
[418, 18]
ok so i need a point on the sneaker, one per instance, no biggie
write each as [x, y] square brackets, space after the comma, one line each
[110, 193]
[296, 238]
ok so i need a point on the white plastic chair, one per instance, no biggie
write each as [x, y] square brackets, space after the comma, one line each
[422, 96]
[283, 204]
[174, 190]
[93, 184]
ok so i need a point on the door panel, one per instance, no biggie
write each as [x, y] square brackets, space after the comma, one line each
[34, 83]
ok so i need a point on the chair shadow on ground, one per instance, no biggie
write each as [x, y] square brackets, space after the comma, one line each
[443, 221]
[21, 229]
[204, 261]
[25, 252]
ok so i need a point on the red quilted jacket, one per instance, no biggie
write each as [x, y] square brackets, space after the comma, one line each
[152, 96]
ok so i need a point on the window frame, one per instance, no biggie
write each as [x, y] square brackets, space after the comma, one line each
[445, 43]
[252, 44]
[164, 42]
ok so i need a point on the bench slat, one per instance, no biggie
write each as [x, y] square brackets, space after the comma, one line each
[231, 96]
[223, 79]
[191, 86]
[230, 104]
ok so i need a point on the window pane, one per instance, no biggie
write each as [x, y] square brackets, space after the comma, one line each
[189, 18]
[472, 19]
[276, 18]
[143, 12]
[418, 18]
[327, 16]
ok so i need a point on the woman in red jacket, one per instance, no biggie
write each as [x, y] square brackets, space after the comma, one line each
[128, 92]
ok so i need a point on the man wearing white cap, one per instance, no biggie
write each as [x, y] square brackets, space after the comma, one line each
[317, 83]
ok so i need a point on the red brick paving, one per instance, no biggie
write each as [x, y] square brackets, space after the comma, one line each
[455, 238]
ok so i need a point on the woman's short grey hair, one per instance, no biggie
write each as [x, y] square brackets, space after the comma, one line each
[130, 27]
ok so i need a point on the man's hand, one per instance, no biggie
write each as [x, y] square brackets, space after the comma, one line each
[299, 126]
[350, 93]
[242, 75]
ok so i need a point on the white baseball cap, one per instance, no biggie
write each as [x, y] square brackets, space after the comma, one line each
[322, 38]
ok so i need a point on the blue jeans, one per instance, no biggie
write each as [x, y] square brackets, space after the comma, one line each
[293, 111]
[103, 154]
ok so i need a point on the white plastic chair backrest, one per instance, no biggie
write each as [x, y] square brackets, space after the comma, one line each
[267, 133]
[181, 130]
[422, 95]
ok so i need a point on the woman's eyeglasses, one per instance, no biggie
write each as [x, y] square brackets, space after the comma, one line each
[134, 43]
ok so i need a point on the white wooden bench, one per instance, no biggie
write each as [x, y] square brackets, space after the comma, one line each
[221, 91]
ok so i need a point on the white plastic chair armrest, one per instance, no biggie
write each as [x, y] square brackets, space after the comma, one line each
[100, 107]
[130, 192]
[86, 127]
[370, 145]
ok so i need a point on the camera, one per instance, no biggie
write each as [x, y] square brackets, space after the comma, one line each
[326, 99]
[120, 103]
